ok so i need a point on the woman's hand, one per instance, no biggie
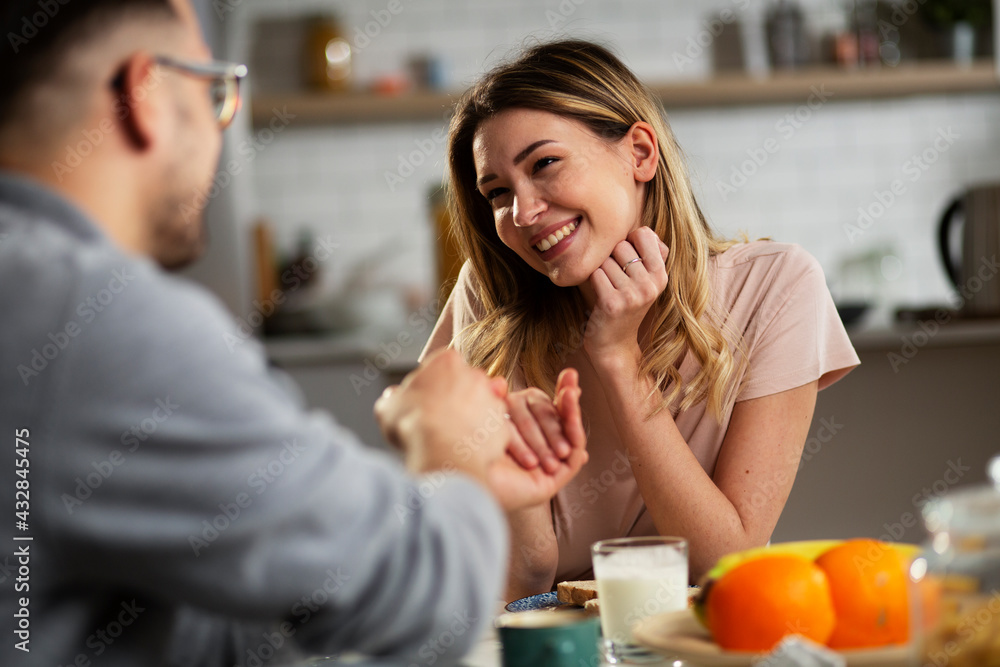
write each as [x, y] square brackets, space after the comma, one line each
[547, 445]
[545, 432]
[625, 286]
[517, 489]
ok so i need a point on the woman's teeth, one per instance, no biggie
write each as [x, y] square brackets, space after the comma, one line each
[556, 236]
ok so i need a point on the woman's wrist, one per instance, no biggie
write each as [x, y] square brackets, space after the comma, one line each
[533, 544]
[617, 363]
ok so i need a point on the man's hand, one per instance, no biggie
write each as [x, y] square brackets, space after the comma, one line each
[446, 415]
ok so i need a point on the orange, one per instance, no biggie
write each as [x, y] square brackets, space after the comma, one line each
[869, 586]
[754, 605]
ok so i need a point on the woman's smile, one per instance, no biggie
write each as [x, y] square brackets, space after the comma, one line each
[550, 243]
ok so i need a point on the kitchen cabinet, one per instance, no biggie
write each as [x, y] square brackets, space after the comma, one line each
[916, 420]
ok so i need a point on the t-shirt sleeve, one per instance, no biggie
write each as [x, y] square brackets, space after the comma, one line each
[797, 335]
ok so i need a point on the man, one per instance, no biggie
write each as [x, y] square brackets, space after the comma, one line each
[173, 503]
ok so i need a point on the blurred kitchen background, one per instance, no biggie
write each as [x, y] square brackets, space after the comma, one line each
[848, 127]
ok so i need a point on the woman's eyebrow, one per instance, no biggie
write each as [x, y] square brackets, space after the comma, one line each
[518, 159]
[527, 151]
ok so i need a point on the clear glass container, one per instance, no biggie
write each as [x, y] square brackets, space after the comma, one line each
[958, 579]
[328, 55]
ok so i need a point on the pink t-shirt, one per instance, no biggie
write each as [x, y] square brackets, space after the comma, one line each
[775, 295]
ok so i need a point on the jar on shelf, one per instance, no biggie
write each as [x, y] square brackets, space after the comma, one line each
[958, 578]
[328, 55]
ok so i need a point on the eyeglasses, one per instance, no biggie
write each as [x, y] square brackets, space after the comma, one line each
[224, 79]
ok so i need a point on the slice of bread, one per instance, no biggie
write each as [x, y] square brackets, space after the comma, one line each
[592, 607]
[576, 592]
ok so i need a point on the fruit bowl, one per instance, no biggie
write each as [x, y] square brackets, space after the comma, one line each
[679, 635]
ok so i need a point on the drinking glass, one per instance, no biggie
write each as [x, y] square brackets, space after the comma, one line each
[637, 577]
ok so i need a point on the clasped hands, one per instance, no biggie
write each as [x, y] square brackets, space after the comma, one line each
[523, 445]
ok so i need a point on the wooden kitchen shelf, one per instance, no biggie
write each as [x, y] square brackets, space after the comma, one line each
[931, 78]
[927, 78]
[312, 108]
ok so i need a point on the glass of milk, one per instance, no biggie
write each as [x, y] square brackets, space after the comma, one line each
[637, 577]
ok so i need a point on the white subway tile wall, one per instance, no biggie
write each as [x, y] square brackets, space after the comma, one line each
[829, 186]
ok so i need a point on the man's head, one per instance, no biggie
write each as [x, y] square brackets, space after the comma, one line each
[96, 107]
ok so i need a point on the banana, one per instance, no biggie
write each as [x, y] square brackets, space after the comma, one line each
[809, 549]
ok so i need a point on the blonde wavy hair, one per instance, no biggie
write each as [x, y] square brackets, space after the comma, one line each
[529, 323]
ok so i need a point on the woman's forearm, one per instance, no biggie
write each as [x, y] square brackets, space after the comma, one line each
[534, 552]
[681, 498]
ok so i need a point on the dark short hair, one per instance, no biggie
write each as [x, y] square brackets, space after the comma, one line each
[38, 34]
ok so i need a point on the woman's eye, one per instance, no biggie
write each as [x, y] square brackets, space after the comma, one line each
[544, 162]
[494, 193]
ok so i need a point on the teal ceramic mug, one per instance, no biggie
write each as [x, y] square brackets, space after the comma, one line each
[550, 638]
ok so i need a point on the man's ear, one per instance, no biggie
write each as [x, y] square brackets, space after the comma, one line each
[644, 151]
[138, 107]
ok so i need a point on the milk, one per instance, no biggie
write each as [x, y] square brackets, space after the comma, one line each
[626, 601]
[633, 585]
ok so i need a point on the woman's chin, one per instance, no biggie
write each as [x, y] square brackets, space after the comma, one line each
[568, 278]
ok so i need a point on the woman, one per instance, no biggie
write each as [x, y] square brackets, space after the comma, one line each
[699, 359]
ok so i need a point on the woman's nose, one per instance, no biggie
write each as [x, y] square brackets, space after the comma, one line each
[527, 206]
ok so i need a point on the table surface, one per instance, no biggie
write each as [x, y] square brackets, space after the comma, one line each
[485, 653]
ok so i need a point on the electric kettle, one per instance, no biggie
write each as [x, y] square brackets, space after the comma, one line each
[971, 256]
